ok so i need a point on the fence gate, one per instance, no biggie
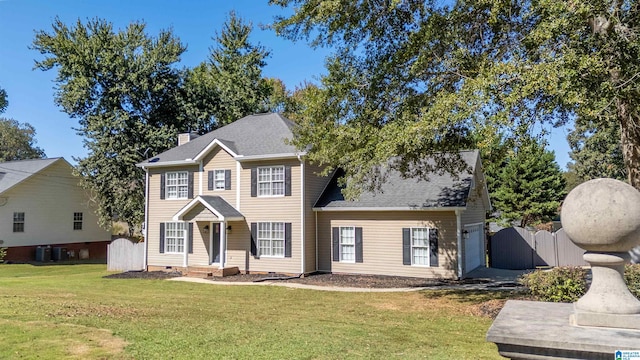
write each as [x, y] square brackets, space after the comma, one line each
[125, 255]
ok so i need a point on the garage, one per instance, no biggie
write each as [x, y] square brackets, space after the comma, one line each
[473, 246]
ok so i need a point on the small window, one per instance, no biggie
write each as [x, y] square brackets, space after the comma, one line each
[176, 185]
[175, 235]
[77, 221]
[271, 181]
[420, 246]
[218, 180]
[271, 238]
[18, 222]
[348, 244]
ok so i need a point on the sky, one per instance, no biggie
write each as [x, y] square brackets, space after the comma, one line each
[31, 92]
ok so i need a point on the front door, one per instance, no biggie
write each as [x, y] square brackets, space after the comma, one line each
[216, 243]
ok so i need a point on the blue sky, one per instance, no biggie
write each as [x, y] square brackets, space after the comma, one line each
[195, 22]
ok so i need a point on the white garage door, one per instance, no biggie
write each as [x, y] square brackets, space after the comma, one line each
[473, 246]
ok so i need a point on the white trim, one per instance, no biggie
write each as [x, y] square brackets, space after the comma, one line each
[198, 199]
[208, 148]
[146, 220]
[302, 219]
[211, 231]
[340, 244]
[428, 245]
[223, 179]
[269, 156]
[177, 186]
[238, 170]
[201, 173]
[474, 224]
[223, 243]
[400, 208]
[459, 242]
[167, 163]
[271, 181]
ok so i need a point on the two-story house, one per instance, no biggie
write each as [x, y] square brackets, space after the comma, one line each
[241, 198]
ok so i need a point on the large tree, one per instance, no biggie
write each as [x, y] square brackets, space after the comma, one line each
[409, 79]
[596, 152]
[530, 185]
[3, 100]
[17, 141]
[124, 89]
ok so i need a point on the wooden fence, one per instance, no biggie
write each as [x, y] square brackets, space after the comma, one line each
[125, 255]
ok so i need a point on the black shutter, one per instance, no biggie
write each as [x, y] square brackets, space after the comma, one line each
[190, 185]
[161, 238]
[190, 238]
[433, 247]
[254, 239]
[406, 246]
[210, 181]
[162, 180]
[358, 244]
[227, 179]
[287, 240]
[336, 243]
[287, 180]
[254, 182]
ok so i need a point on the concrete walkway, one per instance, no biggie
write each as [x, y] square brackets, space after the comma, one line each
[488, 279]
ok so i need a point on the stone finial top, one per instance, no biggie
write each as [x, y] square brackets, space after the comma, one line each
[603, 215]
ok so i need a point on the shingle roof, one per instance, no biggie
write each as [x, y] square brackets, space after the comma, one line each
[14, 172]
[223, 207]
[260, 134]
[441, 191]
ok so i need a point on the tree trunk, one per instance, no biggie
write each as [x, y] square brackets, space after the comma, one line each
[630, 142]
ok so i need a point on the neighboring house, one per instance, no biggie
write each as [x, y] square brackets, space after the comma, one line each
[42, 204]
[240, 198]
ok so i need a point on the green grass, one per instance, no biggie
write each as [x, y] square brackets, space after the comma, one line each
[73, 312]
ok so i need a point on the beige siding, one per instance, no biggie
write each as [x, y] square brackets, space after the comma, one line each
[382, 242]
[239, 245]
[200, 255]
[314, 186]
[281, 209]
[162, 211]
[219, 159]
[48, 200]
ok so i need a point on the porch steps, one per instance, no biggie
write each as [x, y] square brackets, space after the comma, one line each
[208, 272]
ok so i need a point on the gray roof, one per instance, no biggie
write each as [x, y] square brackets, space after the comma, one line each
[260, 134]
[14, 172]
[221, 206]
[440, 191]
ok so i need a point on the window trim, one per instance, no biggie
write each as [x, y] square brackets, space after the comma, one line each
[428, 247]
[177, 186]
[271, 239]
[18, 219]
[177, 238]
[78, 218]
[215, 180]
[271, 181]
[353, 244]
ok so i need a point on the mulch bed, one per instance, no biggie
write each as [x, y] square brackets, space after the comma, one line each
[153, 275]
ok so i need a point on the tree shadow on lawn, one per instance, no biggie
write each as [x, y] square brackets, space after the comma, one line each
[486, 303]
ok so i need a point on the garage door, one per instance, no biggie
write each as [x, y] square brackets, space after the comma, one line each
[473, 246]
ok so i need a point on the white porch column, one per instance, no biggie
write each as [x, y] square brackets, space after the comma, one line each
[223, 243]
[186, 245]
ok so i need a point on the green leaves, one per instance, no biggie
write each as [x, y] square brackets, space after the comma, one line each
[17, 141]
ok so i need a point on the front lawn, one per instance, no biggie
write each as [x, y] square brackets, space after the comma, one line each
[71, 311]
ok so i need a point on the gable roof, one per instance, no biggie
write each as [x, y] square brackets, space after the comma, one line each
[257, 135]
[441, 192]
[13, 173]
[217, 205]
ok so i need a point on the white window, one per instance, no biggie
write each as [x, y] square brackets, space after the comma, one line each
[175, 234]
[177, 185]
[271, 181]
[348, 244]
[77, 221]
[420, 246]
[18, 222]
[271, 239]
[218, 180]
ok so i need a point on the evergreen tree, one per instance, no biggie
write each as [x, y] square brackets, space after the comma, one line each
[3, 100]
[596, 151]
[531, 185]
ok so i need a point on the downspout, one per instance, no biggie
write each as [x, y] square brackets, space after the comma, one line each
[238, 169]
[201, 171]
[302, 218]
[223, 243]
[146, 218]
[459, 241]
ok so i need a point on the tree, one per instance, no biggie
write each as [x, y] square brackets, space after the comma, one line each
[17, 141]
[531, 185]
[596, 152]
[3, 100]
[409, 79]
[125, 91]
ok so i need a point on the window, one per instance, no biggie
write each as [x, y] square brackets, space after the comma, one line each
[174, 235]
[218, 180]
[176, 185]
[271, 238]
[18, 222]
[271, 181]
[77, 221]
[347, 244]
[420, 246]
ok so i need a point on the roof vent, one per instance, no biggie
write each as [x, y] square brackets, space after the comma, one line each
[186, 137]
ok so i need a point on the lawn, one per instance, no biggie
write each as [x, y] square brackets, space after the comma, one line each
[71, 311]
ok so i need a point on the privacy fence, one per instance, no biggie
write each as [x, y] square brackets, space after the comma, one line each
[125, 255]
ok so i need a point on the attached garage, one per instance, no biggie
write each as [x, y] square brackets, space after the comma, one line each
[473, 246]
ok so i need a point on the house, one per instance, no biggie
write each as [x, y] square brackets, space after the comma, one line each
[241, 198]
[42, 204]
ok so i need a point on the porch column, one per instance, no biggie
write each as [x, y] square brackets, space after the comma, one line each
[223, 243]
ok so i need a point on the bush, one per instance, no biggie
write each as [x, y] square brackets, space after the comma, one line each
[560, 284]
[632, 278]
[3, 253]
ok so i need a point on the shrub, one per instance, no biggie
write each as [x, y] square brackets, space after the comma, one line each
[632, 278]
[3, 253]
[560, 284]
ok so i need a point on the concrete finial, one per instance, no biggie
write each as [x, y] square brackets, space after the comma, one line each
[602, 216]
